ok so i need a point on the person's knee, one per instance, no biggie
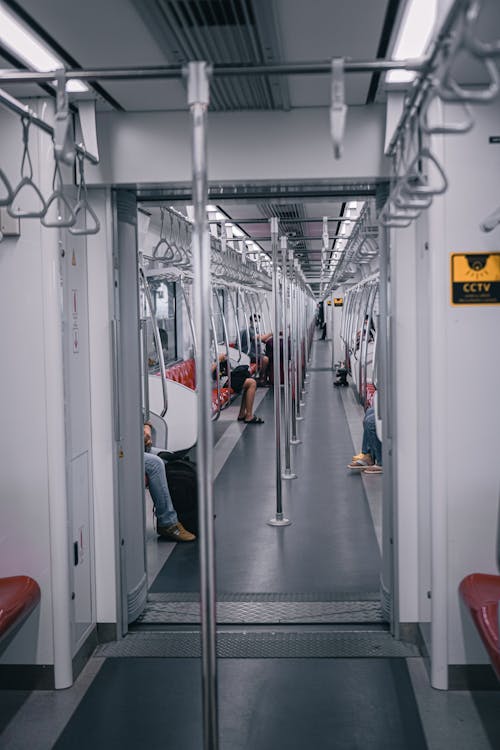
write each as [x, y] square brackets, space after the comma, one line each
[250, 384]
[153, 465]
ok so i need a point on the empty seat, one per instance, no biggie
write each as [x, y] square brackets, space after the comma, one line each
[481, 594]
[19, 595]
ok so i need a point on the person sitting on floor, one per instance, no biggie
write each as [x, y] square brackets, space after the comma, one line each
[370, 458]
[241, 382]
[168, 525]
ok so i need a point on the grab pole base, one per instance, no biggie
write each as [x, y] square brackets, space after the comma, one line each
[279, 520]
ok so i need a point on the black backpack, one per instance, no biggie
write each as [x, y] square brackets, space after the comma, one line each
[183, 487]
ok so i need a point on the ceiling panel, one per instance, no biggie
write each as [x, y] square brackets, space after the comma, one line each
[136, 33]
[321, 30]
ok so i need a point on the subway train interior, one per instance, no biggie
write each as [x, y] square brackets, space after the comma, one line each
[249, 294]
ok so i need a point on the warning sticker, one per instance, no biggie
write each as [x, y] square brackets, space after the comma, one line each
[475, 278]
[338, 301]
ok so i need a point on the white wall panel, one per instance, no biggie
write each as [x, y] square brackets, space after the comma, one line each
[473, 356]
[404, 360]
[100, 291]
[242, 146]
[24, 478]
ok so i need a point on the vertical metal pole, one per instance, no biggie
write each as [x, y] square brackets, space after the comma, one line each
[332, 328]
[288, 473]
[299, 378]
[198, 98]
[278, 520]
[293, 332]
[302, 339]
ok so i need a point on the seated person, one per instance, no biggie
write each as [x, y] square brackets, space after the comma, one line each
[249, 347]
[168, 525]
[241, 382]
[370, 458]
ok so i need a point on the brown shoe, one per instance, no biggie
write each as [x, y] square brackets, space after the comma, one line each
[175, 533]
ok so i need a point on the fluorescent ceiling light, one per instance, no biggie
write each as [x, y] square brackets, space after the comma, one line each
[413, 36]
[25, 45]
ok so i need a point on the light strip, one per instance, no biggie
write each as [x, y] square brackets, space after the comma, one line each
[25, 45]
[413, 36]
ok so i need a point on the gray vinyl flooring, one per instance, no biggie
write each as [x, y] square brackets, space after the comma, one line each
[341, 702]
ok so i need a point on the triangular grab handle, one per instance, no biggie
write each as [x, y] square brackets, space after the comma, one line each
[27, 182]
[84, 207]
[59, 198]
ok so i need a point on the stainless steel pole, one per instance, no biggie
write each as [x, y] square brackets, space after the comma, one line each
[288, 473]
[279, 519]
[294, 364]
[300, 403]
[198, 98]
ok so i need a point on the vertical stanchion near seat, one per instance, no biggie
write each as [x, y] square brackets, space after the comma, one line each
[198, 99]
[300, 375]
[294, 359]
[288, 473]
[278, 519]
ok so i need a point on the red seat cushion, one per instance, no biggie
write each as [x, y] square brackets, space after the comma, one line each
[481, 594]
[183, 372]
[19, 595]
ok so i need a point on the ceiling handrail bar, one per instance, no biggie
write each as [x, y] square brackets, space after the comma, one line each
[319, 67]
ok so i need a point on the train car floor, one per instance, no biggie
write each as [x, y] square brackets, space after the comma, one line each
[329, 551]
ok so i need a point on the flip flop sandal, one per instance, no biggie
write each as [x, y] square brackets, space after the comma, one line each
[375, 469]
[240, 419]
[255, 420]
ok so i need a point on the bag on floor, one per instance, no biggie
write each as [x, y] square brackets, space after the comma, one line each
[183, 487]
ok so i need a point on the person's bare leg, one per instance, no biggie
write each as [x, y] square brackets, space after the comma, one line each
[264, 368]
[249, 387]
[243, 407]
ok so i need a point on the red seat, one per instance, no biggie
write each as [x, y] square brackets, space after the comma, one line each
[19, 595]
[183, 372]
[481, 593]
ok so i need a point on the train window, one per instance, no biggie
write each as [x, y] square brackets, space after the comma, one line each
[218, 312]
[163, 296]
[186, 323]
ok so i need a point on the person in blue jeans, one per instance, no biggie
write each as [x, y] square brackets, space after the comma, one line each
[370, 458]
[168, 525]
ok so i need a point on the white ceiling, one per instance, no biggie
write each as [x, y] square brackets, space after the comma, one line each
[126, 33]
[139, 33]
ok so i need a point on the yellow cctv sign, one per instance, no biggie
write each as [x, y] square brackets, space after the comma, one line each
[338, 301]
[475, 278]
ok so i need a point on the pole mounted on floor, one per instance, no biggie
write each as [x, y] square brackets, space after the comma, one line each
[294, 358]
[198, 75]
[288, 473]
[278, 519]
